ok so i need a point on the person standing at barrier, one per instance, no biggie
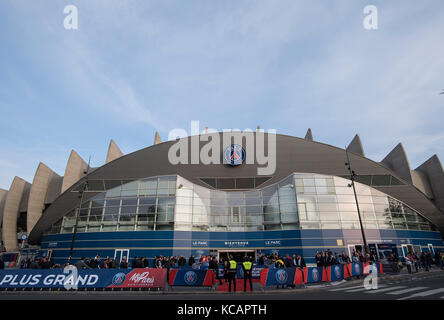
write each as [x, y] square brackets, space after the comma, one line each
[226, 270]
[232, 273]
[81, 264]
[123, 263]
[214, 265]
[247, 267]
[300, 262]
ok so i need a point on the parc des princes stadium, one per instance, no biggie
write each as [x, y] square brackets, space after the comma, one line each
[140, 204]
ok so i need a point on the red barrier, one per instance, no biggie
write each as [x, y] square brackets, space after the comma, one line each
[327, 272]
[210, 279]
[263, 278]
[381, 270]
[300, 276]
[347, 271]
[172, 276]
[324, 275]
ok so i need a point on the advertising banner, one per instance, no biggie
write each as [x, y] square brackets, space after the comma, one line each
[81, 278]
[335, 273]
[192, 278]
[140, 278]
[314, 274]
[356, 269]
[277, 276]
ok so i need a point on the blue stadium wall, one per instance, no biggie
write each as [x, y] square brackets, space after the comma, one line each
[168, 243]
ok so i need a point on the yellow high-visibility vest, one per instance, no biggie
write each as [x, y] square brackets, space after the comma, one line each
[247, 265]
[233, 264]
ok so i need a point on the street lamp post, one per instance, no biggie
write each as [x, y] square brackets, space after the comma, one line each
[352, 184]
[81, 193]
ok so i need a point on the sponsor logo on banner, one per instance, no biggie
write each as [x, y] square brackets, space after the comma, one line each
[281, 276]
[142, 278]
[315, 274]
[118, 279]
[190, 278]
[357, 268]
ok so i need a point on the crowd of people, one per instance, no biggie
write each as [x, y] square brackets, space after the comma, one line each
[412, 261]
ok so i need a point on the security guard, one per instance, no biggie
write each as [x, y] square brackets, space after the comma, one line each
[247, 267]
[232, 273]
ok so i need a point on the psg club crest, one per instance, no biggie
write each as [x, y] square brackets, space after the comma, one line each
[315, 274]
[118, 279]
[281, 276]
[190, 278]
[234, 155]
[357, 268]
[337, 272]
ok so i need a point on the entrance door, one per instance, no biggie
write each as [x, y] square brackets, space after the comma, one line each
[238, 255]
[121, 253]
[354, 247]
[406, 248]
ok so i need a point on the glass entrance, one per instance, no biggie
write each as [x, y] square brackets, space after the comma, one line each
[238, 256]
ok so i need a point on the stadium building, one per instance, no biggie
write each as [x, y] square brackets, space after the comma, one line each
[142, 205]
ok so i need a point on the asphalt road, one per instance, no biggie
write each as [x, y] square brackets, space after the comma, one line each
[420, 286]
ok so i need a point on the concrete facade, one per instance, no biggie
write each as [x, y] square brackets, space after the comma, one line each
[74, 170]
[14, 198]
[50, 196]
[397, 161]
[309, 135]
[157, 138]
[113, 152]
[432, 168]
[356, 146]
[37, 195]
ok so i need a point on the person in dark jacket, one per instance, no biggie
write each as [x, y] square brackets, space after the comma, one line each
[214, 265]
[300, 262]
[191, 261]
[182, 261]
[81, 264]
[261, 261]
[123, 263]
[2, 264]
[35, 264]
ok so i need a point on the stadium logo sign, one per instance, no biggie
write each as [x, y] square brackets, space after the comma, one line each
[190, 278]
[230, 146]
[118, 279]
[281, 276]
[234, 155]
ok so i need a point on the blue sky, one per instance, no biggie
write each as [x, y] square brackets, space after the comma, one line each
[134, 67]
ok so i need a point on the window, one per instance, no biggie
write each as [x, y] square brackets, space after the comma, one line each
[235, 215]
